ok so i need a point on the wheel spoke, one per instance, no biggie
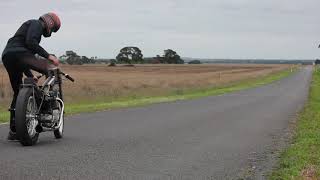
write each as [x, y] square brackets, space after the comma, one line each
[31, 121]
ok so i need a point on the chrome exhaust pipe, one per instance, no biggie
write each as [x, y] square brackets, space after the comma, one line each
[62, 112]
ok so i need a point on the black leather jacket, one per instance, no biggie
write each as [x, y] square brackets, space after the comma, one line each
[27, 39]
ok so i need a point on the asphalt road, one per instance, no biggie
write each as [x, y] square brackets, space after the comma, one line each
[221, 137]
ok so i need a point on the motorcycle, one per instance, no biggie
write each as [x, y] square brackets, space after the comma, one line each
[40, 108]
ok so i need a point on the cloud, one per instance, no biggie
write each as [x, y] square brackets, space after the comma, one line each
[204, 28]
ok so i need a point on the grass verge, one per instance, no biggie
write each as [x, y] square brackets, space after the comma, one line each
[301, 160]
[176, 95]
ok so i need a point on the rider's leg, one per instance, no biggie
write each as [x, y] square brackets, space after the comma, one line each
[16, 80]
[15, 76]
[29, 61]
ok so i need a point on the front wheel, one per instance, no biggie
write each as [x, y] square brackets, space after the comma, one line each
[26, 117]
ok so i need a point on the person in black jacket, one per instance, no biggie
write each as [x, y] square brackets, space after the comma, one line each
[19, 58]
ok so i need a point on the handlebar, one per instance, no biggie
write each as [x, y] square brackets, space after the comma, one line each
[67, 76]
[64, 74]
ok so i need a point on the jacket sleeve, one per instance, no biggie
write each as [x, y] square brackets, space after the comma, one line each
[33, 38]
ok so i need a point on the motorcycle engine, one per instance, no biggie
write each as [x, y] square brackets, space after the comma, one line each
[51, 119]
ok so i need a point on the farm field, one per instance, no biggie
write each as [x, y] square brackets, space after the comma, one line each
[96, 82]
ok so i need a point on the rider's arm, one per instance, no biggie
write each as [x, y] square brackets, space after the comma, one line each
[33, 38]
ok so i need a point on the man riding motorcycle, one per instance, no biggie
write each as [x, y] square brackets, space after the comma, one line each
[19, 58]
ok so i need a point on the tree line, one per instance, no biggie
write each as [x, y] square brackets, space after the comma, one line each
[127, 55]
[133, 55]
[73, 58]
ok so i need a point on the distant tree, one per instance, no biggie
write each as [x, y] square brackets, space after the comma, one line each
[74, 60]
[172, 57]
[71, 53]
[86, 60]
[195, 62]
[130, 55]
[113, 62]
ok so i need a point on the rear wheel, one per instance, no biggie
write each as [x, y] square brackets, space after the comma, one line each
[26, 117]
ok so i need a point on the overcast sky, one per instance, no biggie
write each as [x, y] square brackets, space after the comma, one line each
[194, 28]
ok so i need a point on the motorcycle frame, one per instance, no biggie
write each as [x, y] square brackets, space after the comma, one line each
[52, 78]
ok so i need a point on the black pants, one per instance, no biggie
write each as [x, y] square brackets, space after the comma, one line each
[16, 64]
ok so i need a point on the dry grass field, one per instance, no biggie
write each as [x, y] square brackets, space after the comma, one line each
[98, 82]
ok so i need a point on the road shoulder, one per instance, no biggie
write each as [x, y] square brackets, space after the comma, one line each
[301, 160]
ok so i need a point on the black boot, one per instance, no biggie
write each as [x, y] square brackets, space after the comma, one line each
[12, 136]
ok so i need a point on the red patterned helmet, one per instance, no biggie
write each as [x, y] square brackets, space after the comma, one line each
[52, 23]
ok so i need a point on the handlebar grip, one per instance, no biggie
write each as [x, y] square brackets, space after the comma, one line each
[69, 77]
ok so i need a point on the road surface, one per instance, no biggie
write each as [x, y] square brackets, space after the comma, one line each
[221, 137]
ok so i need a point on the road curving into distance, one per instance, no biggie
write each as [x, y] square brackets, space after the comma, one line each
[219, 137]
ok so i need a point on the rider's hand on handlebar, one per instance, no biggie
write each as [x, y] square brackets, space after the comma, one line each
[54, 60]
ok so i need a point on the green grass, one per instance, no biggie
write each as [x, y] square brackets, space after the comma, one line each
[174, 96]
[303, 155]
[4, 116]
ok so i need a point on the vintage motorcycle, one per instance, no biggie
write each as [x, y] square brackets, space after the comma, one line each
[40, 108]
